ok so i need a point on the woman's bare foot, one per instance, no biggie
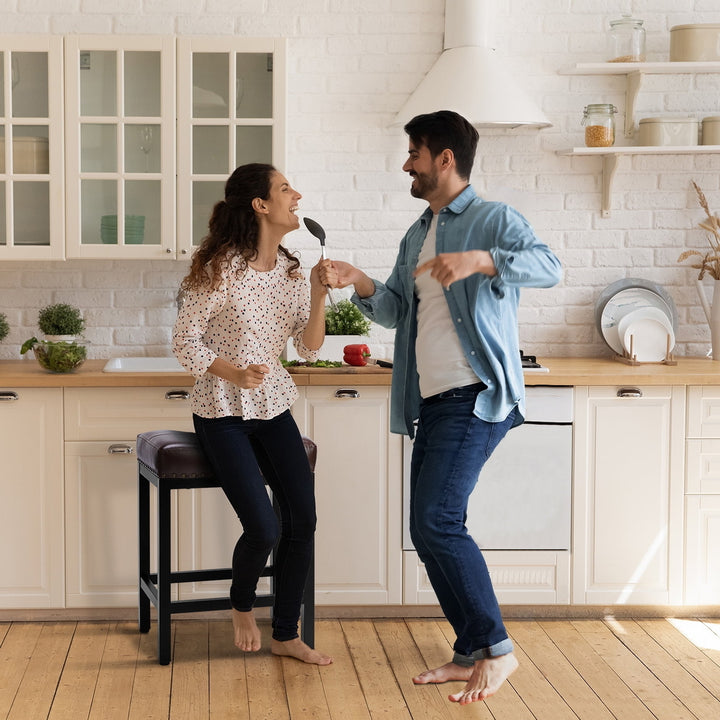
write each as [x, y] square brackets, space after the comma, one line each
[247, 633]
[298, 649]
[446, 673]
[487, 677]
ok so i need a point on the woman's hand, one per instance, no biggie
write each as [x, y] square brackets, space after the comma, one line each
[252, 376]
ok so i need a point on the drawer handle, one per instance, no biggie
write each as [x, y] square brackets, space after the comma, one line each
[120, 449]
[177, 395]
[346, 394]
[629, 392]
[8, 395]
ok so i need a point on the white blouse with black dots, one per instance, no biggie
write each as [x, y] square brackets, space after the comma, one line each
[247, 320]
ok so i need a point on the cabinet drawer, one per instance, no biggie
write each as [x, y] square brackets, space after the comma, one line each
[111, 413]
[703, 467]
[703, 412]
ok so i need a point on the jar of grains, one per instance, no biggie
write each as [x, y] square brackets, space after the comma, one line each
[626, 40]
[599, 122]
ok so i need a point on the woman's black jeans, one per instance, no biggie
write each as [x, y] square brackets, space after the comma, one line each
[245, 454]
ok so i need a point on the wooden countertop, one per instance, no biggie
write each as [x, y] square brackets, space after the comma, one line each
[563, 371]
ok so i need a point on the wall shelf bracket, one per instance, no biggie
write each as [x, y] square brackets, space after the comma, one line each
[610, 163]
[632, 88]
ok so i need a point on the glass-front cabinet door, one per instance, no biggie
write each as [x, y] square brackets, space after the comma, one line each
[120, 131]
[231, 111]
[31, 148]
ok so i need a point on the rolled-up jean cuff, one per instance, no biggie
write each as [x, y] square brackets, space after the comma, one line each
[501, 648]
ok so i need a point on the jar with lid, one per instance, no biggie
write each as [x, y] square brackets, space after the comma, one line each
[599, 122]
[626, 40]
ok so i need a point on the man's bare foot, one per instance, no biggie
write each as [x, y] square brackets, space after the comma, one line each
[446, 673]
[487, 677]
[247, 633]
[298, 649]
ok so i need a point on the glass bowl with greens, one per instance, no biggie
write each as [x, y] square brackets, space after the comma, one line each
[58, 357]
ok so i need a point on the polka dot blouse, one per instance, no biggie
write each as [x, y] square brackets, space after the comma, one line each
[247, 320]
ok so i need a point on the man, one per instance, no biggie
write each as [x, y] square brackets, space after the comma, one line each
[453, 297]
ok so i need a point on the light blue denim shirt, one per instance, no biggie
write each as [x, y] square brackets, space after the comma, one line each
[483, 308]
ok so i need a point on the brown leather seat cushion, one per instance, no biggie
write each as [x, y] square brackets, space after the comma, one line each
[177, 454]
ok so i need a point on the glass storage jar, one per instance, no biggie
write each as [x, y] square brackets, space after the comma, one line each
[599, 122]
[626, 40]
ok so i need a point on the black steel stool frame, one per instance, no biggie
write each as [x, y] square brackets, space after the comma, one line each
[154, 588]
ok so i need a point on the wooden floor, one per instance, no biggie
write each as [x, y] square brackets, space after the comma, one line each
[588, 669]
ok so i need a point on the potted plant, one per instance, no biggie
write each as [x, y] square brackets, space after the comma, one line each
[4, 326]
[58, 352]
[344, 325]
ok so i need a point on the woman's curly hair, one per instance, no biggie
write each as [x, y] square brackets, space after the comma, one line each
[233, 229]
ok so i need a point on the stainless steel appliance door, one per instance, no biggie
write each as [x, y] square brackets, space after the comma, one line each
[523, 497]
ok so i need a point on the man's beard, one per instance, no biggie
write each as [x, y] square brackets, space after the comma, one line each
[423, 185]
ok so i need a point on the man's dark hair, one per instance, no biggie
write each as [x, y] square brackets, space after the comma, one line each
[442, 130]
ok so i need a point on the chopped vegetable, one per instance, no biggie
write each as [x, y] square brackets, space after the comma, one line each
[317, 363]
[356, 354]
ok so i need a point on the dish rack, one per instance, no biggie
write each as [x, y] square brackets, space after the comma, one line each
[629, 358]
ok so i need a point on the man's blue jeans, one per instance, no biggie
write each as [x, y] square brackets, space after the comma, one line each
[450, 449]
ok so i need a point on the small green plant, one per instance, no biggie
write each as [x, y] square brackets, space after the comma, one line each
[60, 319]
[4, 326]
[345, 320]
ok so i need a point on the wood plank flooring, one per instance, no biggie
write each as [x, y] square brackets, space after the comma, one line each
[640, 669]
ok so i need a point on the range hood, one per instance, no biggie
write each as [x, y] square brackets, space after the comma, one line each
[470, 79]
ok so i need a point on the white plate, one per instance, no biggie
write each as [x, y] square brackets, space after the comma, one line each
[625, 296]
[647, 335]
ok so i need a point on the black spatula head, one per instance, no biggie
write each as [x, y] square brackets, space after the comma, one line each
[316, 229]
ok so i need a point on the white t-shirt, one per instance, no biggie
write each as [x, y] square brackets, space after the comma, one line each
[441, 362]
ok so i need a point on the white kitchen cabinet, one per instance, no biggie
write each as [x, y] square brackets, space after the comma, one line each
[31, 148]
[231, 111]
[31, 511]
[519, 577]
[120, 138]
[358, 489]
[628, 500]
[101, 426]
[702, 497]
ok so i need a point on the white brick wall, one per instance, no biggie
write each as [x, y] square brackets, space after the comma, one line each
[352, 64]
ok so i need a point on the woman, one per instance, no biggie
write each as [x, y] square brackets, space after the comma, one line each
[243, 298]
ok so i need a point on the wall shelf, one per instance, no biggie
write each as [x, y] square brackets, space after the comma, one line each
[610, 156]
[634, 73]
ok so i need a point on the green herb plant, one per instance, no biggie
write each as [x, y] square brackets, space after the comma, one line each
[4, 326]
[60, 319]
[345, 320]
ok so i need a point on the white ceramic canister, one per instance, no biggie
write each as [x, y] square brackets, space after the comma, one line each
[711, 130]
[695, 43]
[676, 131]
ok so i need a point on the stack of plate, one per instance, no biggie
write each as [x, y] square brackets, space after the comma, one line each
[134, 229]
[637, 319]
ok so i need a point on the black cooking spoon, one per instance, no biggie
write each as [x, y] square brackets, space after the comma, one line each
[318, 231]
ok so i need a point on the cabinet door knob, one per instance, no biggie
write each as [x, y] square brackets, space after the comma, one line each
[629, 392]
[8, 395]
[177, 395]
[120, 449]
[346, 394]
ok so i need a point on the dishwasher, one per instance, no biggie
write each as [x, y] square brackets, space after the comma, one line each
[523, 498]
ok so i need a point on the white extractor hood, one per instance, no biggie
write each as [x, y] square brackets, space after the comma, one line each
[469, 78]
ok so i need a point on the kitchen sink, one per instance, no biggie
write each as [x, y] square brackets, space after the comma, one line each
[143, 364]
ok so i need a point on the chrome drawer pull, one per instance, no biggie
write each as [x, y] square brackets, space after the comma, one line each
[177, 395]
[346, 394]
[629, 392]
[120, 449]
[8, 395]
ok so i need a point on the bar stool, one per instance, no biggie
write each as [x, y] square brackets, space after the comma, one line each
[173, 460]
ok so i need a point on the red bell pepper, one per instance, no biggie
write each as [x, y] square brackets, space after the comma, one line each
[356, 354]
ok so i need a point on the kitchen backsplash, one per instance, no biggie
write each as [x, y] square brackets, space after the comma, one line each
[351, 66]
